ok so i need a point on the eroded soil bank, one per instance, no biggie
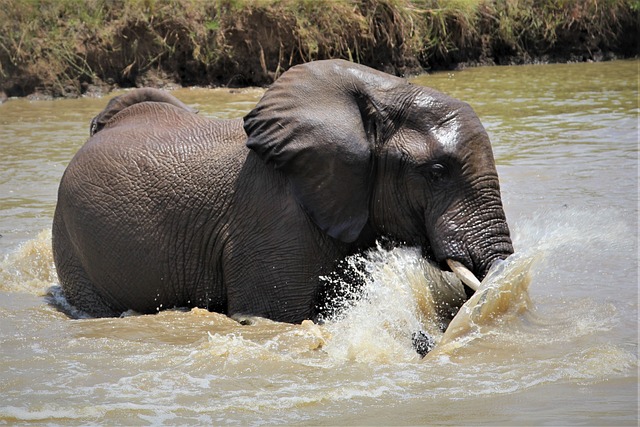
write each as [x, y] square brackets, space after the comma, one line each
[52, 48]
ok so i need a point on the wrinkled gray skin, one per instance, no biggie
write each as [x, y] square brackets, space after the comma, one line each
[163, 208]
[119, 103]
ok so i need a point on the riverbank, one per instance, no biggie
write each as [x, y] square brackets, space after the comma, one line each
[68, 48]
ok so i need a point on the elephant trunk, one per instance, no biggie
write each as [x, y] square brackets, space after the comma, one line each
[472, 235]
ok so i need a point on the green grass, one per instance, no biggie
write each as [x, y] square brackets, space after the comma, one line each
[61, 47]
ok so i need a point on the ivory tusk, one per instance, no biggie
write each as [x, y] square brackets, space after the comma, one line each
[464, 274]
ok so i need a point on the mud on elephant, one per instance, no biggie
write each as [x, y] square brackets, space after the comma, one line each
[164, 208]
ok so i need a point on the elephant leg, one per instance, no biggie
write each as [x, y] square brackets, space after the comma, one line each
[76, 285]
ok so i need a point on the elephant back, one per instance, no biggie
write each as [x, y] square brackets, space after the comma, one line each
[120, 103]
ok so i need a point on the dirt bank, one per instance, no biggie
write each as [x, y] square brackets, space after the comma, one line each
[82, 47]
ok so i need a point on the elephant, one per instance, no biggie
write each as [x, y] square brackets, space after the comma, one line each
[164, 208]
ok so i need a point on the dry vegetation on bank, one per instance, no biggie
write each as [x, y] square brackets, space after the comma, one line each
[70, 47]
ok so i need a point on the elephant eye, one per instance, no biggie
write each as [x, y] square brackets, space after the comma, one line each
[437, 171]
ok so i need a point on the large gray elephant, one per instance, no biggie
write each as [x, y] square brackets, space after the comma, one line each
[164, 208]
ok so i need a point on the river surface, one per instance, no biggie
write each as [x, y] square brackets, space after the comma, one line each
[551, 338]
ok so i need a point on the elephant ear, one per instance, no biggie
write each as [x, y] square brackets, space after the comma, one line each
[318, 124]
[136, 96]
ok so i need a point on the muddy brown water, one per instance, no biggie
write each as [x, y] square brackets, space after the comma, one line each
[552, 338]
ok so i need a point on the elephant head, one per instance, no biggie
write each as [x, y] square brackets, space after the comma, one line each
[362, 149]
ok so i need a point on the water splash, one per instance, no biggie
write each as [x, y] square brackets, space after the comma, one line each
[30, 267]
[550, 231]
[502, 296]
[402, 294]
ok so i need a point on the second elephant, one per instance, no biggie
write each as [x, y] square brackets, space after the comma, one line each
[164, 208]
